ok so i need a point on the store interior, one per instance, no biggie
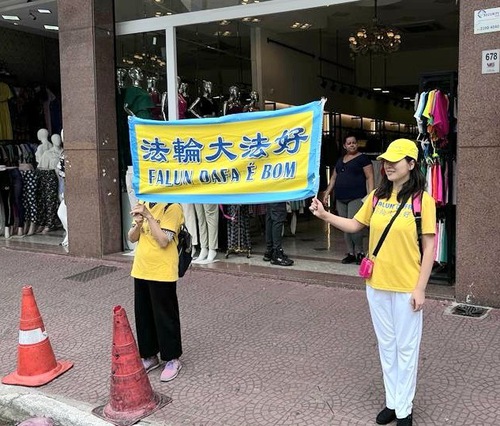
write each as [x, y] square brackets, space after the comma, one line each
[304, 55]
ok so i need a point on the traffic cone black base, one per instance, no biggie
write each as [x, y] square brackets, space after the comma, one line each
[129, 418]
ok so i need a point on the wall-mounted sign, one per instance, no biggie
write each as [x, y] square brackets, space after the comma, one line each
[486, 20]
[491, 61]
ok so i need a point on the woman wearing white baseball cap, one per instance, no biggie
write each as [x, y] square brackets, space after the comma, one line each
[396, 270]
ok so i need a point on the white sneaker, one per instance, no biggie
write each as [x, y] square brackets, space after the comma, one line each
[150, 363]
[171, 370]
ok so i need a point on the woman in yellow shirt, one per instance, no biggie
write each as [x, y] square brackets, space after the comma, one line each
[155, 271]
[396, 288]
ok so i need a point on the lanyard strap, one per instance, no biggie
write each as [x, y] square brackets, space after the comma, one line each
[386, 230]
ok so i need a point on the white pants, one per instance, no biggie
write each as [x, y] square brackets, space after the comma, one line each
[208, 224]
[132, 202]
[130, 191]
[399, 331]
[190, 219]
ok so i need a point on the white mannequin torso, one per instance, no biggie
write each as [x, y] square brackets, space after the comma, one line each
[50, 158]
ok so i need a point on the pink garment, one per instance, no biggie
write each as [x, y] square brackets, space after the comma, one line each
[440, 124]
[156, 110]
[439, 185]
[182, 105]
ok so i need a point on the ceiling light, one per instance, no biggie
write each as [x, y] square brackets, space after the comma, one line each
[11, 17]
[224, 22]
[377, 89]
[375, 38]
[406, 98]
[385, 91]
[301, 25]
[247, 19]
[44, 11]
[51, 27]
[256, 20]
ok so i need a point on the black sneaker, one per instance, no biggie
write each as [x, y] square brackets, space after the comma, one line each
[407, 421]
[268, 255]
[281, 259]
[386, 416]
[350, 258]
[359, 257]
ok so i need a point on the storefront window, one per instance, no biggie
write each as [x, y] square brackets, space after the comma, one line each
[127, 10]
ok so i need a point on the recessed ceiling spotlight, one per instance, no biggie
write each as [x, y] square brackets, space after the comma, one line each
[256, 20]
[247, 19]
[301, 25]
[224, 22]
[45, 11]
[11, 17]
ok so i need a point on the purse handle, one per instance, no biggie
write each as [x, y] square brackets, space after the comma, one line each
[386, 230]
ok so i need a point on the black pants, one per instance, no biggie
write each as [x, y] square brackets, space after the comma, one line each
[275, 219]
[157, 319]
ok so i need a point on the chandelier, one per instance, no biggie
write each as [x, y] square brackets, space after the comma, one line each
[375, 38]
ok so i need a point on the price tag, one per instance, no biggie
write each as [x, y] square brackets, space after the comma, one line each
[491, 61]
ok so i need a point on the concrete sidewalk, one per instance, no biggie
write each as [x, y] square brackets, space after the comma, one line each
[258, 350]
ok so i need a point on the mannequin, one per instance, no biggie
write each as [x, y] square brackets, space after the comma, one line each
[238, 228]
[204, 106]
[137, 102]
[155, 98]
[207, 214]
[62, 211]
[43, 136]
[121, 74]
[208, 223]
[182, 99]
[48, 192]
[253, 105]
[233, 104]
[188, 209]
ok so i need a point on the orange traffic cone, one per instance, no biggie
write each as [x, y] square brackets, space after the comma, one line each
[36, 363]
[132, 397]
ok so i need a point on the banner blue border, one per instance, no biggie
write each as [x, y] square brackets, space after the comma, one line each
[311, 190]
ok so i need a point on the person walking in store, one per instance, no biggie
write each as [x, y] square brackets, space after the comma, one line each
[275, 220]
[396, 288]
[351, 180]
[155, 272]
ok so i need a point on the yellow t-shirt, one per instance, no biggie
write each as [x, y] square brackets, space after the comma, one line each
[397, 265]
[152, 262]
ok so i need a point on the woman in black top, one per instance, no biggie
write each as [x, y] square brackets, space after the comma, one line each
[351, 180]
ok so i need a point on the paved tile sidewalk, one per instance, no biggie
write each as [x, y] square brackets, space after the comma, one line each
[257, 350]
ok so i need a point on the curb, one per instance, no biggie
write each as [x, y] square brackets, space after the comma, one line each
[19, 406]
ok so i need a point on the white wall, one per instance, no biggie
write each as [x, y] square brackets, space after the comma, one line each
[292, 78]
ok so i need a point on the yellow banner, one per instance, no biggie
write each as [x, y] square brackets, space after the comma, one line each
[242, 158]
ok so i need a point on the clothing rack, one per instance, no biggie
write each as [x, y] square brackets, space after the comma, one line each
[446, 82]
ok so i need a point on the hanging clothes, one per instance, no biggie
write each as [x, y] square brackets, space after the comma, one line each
[5, 119]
